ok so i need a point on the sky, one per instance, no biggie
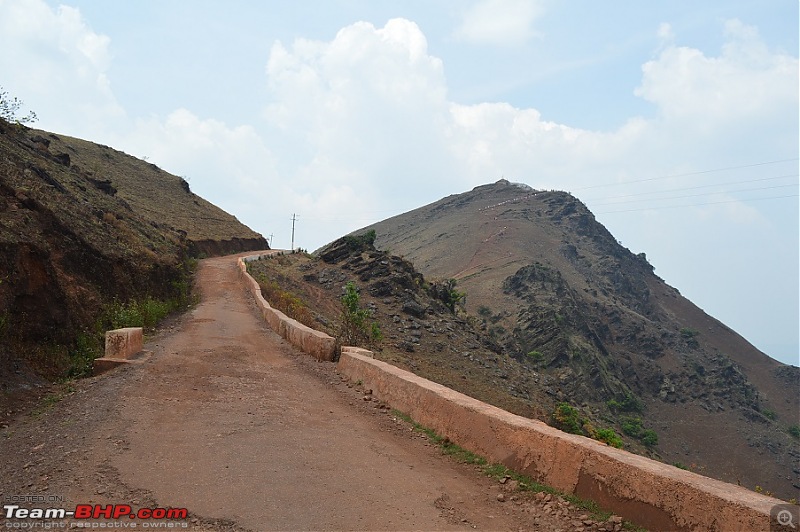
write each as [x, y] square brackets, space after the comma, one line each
[676, 122]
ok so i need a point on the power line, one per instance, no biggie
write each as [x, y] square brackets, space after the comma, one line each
[695, 187]
[695, 195]
[700, 204]
[700, 172]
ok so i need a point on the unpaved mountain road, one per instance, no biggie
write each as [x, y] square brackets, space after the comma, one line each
[230, 422]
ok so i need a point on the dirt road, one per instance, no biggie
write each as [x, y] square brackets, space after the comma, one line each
[227, 420]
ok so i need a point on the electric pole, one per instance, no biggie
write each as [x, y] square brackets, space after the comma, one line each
[269, 242]
[294, 218]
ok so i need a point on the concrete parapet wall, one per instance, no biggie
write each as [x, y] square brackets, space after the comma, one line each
[308, 340]
[649, 493]
[350, 350]
[122, 343]
[123, 346]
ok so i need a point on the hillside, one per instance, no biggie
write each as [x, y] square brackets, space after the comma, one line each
[596, 328]
[84, 225]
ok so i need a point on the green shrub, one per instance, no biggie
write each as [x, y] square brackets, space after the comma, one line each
[608, 436]
[9, 108]
[690, 335]
[535, 355]
[632, 426]
[362, 241]
[794, 431]
[567, 418]
[355, 329]
[445, 291]
[649, 438]
[629, 403]
[770, 414]
[81, 357]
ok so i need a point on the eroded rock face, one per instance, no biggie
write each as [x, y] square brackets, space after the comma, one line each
[69, 244]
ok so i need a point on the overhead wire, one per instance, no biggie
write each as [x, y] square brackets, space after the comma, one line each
[687, 174]
[695, 195]
[697, 187]
[745, 200]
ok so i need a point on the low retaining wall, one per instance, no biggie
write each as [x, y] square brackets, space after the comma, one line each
[649, 493]
[308, 340]
[123, 346]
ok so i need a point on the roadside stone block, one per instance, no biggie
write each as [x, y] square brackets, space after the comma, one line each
[122, 343]
[123, 346]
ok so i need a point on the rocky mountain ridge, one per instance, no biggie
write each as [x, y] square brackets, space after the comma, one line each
[556, 290]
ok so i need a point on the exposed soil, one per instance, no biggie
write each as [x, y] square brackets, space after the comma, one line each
[227, 420]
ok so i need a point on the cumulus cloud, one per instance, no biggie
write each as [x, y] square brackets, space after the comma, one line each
[367, 107]
[369, 110]
[61, 67]
[499, 22]
[713, 95]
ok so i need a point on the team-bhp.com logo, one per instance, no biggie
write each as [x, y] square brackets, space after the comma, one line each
[113, 512]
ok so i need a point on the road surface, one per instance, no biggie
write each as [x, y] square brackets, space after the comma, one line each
[227, 420]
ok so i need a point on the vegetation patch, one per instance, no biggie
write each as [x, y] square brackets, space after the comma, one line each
[146, 312]
[360, 242]
[357, 328]
[283, 300]
[628, 403]
[632, 426]
[500, 472]
[569, 419]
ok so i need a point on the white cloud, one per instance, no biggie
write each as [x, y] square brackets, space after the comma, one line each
[61, 67]
[500, 22]
[747, 83]
[368, 107]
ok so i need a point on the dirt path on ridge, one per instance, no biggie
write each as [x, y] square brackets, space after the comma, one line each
[229, 421]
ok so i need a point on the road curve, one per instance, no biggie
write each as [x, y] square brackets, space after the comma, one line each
[229, 421]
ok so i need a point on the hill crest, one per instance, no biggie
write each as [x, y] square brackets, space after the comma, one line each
[564, 297]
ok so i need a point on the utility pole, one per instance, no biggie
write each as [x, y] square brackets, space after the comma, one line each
[270, 239]
[294, 218]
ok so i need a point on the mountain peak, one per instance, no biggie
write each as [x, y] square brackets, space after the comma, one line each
[595, 326]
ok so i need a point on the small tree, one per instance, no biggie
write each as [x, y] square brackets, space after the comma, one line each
[356, 329]
[445, 291]
[10, 106]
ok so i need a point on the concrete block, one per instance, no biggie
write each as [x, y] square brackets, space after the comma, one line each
[122, 343]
